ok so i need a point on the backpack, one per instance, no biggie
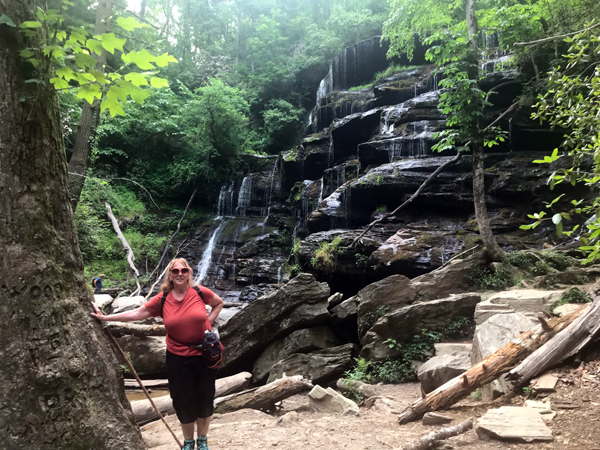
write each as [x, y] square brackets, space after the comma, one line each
[93, 282]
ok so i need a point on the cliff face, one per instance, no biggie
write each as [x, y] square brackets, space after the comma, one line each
[366, 152]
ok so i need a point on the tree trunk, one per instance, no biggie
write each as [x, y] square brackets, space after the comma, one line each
[60, 379]
[90, 114]
[481, 214]
[126, 247]
[487, 370]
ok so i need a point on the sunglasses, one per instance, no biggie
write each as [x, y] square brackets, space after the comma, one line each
[183, 271]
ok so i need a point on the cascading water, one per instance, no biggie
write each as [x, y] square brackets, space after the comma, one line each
[245, 196]
[321, 191]
[207, 255]
[225, 203]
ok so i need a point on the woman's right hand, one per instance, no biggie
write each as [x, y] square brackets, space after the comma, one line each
[98, 314]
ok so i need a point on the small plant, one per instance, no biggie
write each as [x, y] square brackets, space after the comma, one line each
[352, 393]
[487, 279]
[361, 260]
[360, 372]
[581, 279]
[476, 394]
[381, 208]
[372, 317]
[522, 260]
[573, 295]
[558, 261]
[541, 268]
[527, 391]
[325, 258]
[296, 246]
[295, 270]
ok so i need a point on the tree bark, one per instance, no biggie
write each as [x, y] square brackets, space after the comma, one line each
[126, 247]
[133, 329]
[60, 380]
[483, 220]
[263, 397]
[426, 442]
[487, 370]
[584, 330]
[90, 114]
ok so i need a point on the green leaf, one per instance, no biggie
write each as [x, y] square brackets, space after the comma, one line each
[113, 106]
[59, 83]
[4, 19]
[26, 53]
[84, 60]
[61, 35]
[31, 24]
[110, 42]
[129, 23]
[159, 82]
[164, 59]
[94, 46]
[66, 73]
[137, 79]
[89, 92]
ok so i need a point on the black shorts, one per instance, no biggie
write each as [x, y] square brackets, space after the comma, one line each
[192, 387]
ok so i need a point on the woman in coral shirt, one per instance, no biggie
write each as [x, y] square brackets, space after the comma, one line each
[191, 381]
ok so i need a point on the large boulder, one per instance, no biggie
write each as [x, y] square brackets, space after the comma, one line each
[300, 341]
[319, 367]
[299, 304]
[383, 297]
[123, 304]
[102, 300]
[147, 354]
[530, 302]
[443, 367]
[404, 323]
[450, 279]
[492, 335]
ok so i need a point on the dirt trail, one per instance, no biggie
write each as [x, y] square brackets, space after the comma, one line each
[295, 427]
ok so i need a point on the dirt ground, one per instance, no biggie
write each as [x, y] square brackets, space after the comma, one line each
[295, 427]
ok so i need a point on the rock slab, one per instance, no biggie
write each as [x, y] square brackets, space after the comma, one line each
[514, 423]
[332, 402]
[440, 369]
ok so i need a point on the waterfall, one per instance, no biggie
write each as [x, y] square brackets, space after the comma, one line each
[279, 275]
[326, 85]
[245, 196]
[225, 204]
[321, 191]
[207, 256]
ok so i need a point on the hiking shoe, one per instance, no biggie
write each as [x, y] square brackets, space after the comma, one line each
[188, 444]
[203, 443]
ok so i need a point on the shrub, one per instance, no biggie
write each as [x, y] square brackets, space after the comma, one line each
[541, 268]
[522, 260]
[487, 279]
[559, 261]
[325, 258]
[381, 208]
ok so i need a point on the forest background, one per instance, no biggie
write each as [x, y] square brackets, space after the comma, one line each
[245, 80]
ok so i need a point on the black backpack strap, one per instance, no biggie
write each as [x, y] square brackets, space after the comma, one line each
[162, 302]
[199, 292]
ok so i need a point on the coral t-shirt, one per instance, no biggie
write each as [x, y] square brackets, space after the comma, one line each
[185, 320]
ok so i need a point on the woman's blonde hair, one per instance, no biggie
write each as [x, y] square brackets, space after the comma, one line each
[167, 285]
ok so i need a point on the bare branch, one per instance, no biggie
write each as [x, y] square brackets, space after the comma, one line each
[553, 38]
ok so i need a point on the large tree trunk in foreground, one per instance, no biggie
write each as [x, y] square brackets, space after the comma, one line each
[144, 413]
[263, 397]
[487, 370]
[481, 214]
[90, 114]
[59, 376]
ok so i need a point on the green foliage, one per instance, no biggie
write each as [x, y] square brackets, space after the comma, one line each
[527, 390]
[65, 56]
[573, 295]
[401, 369]
[295, 270]
[296, 246]
[371, 317]
[361, 260]
[486, 279]
[476, 394]
[325, 257]
[382, 208]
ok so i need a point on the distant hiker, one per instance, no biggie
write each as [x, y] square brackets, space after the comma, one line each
[191, 376]
[97, 284]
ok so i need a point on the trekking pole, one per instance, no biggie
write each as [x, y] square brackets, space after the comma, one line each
[116, 344]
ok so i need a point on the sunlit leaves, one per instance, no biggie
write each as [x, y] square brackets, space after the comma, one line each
[164, 59]
[159, 82]
[89, 92]
[129, 23]
[110, 42]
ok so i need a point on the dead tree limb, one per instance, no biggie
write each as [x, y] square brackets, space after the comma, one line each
[134, 329]
[411, 199]
[562, 346]
[553, 38]
[126, 247]
[426, 442]
[487, 370]
[263, 397]
[165, 251]
[428, 180]
[144, 413]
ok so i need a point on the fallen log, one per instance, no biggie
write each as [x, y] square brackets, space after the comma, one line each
[355, 386]
[562, 346]
[148, 384]
[263, 397]
[487, 370]
[144, 413]
[426, 442]
[134, 329]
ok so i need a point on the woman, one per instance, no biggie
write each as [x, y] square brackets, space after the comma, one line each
[191, 382]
